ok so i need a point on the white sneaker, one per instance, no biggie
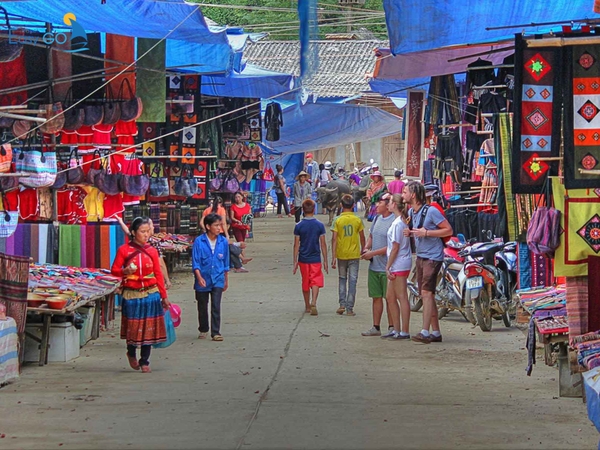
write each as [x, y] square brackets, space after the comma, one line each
[372, 332]
[390, 334]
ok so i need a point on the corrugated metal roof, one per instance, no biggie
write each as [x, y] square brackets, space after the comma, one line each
[342, 64]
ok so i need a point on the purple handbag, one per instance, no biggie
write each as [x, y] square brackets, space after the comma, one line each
[231, 184]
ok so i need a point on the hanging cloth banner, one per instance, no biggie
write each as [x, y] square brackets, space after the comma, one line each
[414, 128]
[580, 222]
[151, 86]
[122, 49]
[537, 115]
[582, 116]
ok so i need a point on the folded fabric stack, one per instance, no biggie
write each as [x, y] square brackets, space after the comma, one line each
[588, 349]
[545, 302]
[169, 242]
[88, 284]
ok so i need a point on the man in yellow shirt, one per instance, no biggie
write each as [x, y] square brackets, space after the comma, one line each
[347, 243]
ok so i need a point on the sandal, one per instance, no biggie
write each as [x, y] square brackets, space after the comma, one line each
[133, 363]
[203, 335]
[146, 369]
[313, 311]
[217, 337]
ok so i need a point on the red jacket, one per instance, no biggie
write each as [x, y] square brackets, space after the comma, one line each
[148, 272]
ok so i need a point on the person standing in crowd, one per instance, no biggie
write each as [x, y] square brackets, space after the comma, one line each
[398, 267]
[281, 192]
[396, 186]
[325, 176]
[210, 264]
[309, 244]
[355, 178]
[312, 169]
[428, 226]
[240, 215]
[432, 192]
[375, 252]
[376, 189]
[144, 295]
[217, 208]
[302, 191]
[347, 242]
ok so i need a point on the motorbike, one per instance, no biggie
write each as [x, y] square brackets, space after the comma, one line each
[449, 292]
[491, 281]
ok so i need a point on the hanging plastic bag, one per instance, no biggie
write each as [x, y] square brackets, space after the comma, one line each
[171, 337]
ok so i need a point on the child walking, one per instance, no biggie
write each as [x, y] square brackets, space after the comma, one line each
[347, 243]
[210, 263]
[309, 243]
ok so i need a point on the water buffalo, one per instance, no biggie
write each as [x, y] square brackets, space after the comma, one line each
[331, 195]
[360, 193]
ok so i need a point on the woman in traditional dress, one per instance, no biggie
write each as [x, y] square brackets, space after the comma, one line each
[144, 294]
[374, 193]
[302, 191]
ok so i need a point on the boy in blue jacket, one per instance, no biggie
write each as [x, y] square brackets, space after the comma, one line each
[210, 263]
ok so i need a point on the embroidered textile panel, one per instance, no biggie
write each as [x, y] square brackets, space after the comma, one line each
[414, 139]
[580, 223]
[582, 116]
[537, 115]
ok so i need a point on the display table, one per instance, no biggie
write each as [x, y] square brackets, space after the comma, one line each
[9, 350]
[90, 287]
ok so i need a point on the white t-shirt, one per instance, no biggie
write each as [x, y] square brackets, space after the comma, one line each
[403, 261]
[213, 244]
[325, 176]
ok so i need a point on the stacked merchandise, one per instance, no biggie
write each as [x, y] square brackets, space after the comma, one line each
[588, 349]
[547, 305]
[86, 284]
[171, 243]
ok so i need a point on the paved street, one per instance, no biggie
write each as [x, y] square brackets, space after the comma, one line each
[282, 379]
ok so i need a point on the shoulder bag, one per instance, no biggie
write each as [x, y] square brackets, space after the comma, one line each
[40, 165]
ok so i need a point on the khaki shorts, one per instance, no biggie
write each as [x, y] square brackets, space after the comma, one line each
[427, 274]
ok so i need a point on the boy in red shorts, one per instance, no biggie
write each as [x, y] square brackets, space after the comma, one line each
[309, 243]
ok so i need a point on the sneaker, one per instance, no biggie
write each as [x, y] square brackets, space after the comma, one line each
[433, 338]
[340, 310]
[390, 334]
[400, 337]
[372, 332]
[422, 339]
[349, 312]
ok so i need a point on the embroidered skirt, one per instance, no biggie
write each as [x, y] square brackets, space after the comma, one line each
[143, 321]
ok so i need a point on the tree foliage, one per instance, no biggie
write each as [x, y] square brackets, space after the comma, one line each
[280, 18]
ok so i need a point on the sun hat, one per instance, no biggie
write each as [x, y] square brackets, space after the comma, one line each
[328, 164]
[302, 174]
[377, 173]
[431, 189]
[386, 196]
[175, 311]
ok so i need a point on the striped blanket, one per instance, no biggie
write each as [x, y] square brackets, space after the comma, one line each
[91, 245]
[14, 280]
[35, 240]
[9, 353]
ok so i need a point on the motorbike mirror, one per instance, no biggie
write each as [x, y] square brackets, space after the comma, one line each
[371, 160]
[461, 238]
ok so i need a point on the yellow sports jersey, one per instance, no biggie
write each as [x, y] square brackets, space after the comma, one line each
[347, 226]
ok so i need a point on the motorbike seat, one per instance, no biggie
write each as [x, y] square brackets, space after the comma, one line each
[487, 248]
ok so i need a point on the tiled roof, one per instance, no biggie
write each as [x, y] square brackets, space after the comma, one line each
[342, 64]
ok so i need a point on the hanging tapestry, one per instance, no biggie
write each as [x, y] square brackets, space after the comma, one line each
[414, 139]
[580, 220]
[151, 87]
[582, 118]
[537, 115]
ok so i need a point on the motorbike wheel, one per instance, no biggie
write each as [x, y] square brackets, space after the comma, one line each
[506, 319]
[415, 301]
[482, 311]
[442, 312]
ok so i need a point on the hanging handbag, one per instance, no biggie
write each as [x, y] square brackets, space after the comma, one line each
[61, 174]
[9, 49]
[20, 129]
[130, 109]
[75, 174]
[231, 184]
[94, 114]
[9, 183]
[186, 186]
[5, 157]
[112, 108]
[40, 165]
[95, 169]
[216, 183]
[159, 184]
[268, 174]
[8, 219]
[55, 120]
[108, 182]
[132, 183]
[74, 115]
[6, 122]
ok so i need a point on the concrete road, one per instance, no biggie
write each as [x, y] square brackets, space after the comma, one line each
[282, 379]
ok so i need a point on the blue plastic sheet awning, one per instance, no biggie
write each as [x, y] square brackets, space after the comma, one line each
[190, 38]
[316, 126]
[252, 82]
[416, 25]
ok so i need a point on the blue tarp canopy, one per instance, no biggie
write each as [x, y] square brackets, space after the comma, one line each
[416, 25]
[143, 18]
[252, 82]
[316, 126]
